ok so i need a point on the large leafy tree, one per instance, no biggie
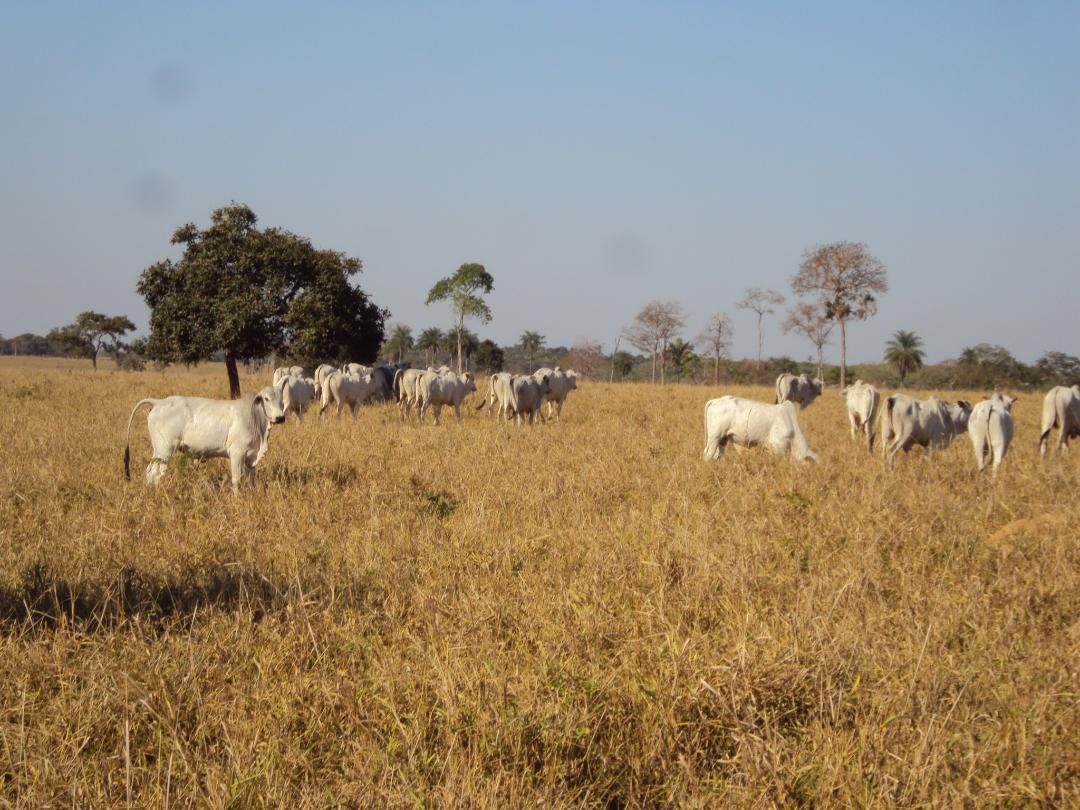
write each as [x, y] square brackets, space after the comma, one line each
[489, 357]
[464, 290]
[245, 292]
[92, 333]
[904, 350]
[847, 278]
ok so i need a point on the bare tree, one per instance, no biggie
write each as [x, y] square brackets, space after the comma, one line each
[587, 357]
[810, 321]
[652, 330]
[717, 336]
[762, 302]
[846, 276]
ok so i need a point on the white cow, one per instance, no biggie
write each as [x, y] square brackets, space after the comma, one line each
[435, 390]
[297, 394]
[1061, 410]
[862, 401]
[346, 389]
[933, 422]
[560, 384]
[320, 375]
[287, 371]
[499, 393]
[355, 369]
[405, 388]
[991, 429]
[801, 389]
[236, 429]
[746, 423]
[527, 395]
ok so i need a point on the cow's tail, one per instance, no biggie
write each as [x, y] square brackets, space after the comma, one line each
[886, 424]
[396, 384]
[127, 436]
[779, 396]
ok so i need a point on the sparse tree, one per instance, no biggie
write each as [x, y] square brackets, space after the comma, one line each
[530, 343]
[465, 290]
[400, 342]
[717, 337]
[846, 277]
[653, 329]
[760, 301]
[587, 357]
[1059, 368]
[247, 293]
[904, 351]
[92, 333]
[430, 341]
[809, 321]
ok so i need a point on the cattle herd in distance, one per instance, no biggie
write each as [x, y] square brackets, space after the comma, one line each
[239, 429]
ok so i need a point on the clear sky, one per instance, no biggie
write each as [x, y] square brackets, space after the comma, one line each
[593, 156]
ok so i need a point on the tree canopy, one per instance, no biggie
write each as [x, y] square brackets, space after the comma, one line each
[246, 292]
[846, 277]
[464, 290]
[92, 333]
[904, 350]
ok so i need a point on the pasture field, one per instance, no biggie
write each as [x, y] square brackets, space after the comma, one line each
[478, 615]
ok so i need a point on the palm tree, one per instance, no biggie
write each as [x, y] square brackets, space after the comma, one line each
[682, 357]
[531, 343]
[430, 341]
[400, 341]
[904, 351]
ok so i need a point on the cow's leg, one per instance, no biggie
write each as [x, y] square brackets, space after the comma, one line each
[237, 467]
[900, 442]
[980, 454]
[457, 411]
[558, 410]
[853, 420]
[436, 411]
[164, 450]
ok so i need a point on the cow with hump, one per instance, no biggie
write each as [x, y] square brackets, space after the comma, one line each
[236, 429]
[862, 401]
[1061, 410]
[991, 429]
[907, 422]
[747, 423]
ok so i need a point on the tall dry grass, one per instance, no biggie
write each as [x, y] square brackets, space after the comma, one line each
[579, 614]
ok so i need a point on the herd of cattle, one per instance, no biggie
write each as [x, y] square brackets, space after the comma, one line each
[904, 422]
[239, 429]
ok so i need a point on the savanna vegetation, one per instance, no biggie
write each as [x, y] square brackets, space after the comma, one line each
[579, 614]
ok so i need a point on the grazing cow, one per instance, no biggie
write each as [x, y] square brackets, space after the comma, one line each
[1061, 410]
[436, 390]
[297, 394]
[801, 389]
[747, 423]
[405, 388]
[560, 384]
[991, 429]
[862, 407]
[527, 395]
[236, 429]
[933, 422]
[499, 393]
[346, 389]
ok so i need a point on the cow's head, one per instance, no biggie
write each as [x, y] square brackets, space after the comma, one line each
[270, 400]
[959, 414]
[818, 383]
[544, 381]
[571, 375]
[468, 381]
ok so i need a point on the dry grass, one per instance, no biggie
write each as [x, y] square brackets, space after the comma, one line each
[581, 614]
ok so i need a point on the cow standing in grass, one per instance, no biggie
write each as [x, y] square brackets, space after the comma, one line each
[236, 429]
[863, 401]
[933, 422]
[747, 423]
[991, 429]
[1061, 410]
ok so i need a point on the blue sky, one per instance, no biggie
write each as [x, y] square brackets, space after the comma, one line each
[593, 156]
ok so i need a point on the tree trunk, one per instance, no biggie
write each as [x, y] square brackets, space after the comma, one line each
[460, 329]
[234, 376]
[663, 363]
[716, 369]
[654, 366]
[843, 354]
[760, 344]
[820, 364]
[93, 358]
